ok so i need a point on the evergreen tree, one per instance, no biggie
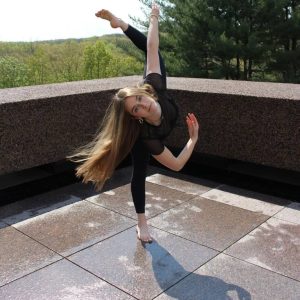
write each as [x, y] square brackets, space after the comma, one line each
[232, 39]
[282, 20]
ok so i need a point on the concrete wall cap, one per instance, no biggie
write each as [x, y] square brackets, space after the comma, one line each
[212, 86]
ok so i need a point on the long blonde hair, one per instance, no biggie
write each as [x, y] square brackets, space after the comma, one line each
[113, 141]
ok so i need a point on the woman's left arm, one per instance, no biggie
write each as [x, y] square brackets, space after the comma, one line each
[153, 65]
[174, 163]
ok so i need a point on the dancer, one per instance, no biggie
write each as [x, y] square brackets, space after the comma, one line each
[137, 121]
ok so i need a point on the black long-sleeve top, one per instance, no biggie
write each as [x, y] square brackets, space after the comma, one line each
[153, 136]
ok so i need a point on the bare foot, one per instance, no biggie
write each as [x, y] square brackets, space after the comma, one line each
[143, 233]
[107, 15]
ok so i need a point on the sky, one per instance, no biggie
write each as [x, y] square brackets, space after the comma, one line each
[36, 20]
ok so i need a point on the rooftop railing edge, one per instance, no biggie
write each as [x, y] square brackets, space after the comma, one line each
[252, 122]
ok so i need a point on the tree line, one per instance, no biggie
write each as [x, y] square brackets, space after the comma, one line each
[227, 39]
[32, 63]
[232, 39]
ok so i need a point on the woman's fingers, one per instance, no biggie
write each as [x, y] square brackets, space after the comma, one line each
[194, 120]
[193, 126]
[189, 119]
[193, 117]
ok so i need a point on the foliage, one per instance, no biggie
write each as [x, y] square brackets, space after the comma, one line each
[65, 60]
[232, 39]
[13, 72]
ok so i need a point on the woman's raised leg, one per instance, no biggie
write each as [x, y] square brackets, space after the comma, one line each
[137, 37]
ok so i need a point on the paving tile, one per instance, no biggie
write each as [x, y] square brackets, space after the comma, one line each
[20, 255]
[61, 281]
[46, 202]
[225, 277]
[291, 213]
[79, 189]
[184, 183]
[143, 270]
[209, 223]
[59, 197]
[253, 201]
[34, 206]
[275, 245]
[158, 199]
[120, 177]
[74, 227]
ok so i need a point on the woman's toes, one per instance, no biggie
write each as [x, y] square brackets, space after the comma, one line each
[100, 13]
[107, 15]
[143, 235]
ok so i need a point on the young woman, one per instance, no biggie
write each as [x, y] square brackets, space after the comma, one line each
[137, 121]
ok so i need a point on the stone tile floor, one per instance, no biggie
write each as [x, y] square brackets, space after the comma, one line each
[211, 241]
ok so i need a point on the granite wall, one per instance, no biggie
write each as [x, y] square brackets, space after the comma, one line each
[246, 121]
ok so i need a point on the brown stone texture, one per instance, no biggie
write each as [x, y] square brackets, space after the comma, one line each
[246, 121]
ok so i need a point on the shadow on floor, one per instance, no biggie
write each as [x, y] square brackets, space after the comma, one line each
[195, 286]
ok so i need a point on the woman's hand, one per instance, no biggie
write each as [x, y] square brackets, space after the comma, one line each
[193, 127]
[176, 163]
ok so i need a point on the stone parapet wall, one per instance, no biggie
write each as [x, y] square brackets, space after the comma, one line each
[246, 121]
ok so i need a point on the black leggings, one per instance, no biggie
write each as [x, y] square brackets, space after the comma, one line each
[139, 153]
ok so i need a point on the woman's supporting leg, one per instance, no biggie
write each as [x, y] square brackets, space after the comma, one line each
[140, 158]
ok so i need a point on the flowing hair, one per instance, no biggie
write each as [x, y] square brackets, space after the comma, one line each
[113, 141]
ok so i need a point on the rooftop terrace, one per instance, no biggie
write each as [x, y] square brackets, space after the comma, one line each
[231, 231]
[211, 241]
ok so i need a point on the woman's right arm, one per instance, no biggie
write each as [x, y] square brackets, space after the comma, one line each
[174, 163]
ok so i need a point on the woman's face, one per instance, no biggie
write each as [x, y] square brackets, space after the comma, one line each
[141, 106]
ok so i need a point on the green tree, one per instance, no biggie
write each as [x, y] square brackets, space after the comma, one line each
[282, 18]
[13, 72]
[89, 62]
[230, 38]
[97, 60]
[38, 64]
[102, 59]
[65, 61]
